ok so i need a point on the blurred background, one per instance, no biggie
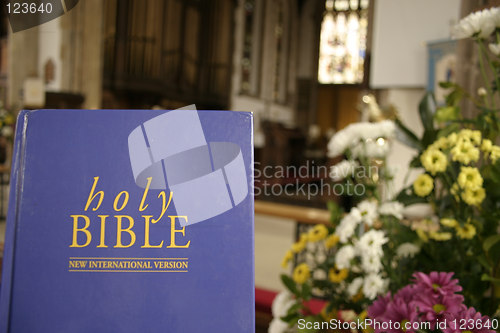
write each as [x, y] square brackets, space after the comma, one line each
[306, 68]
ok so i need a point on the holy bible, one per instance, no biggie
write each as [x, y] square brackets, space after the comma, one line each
[130, 221]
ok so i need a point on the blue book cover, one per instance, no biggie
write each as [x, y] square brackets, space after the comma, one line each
[130, 221]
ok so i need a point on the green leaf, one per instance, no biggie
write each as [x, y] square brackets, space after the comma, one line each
[290, 318]
[495, 173]
[446, 84]
[455, 127]
[409, 199]
[406, 136]
[490, 242]
[288, 282]
[482, 260]
[486, 277]
[447, 113]
[306, 291]
[335, 210]
[427, 108]
[455, 96]
[415, 162]
[294, 308]
[429, 137]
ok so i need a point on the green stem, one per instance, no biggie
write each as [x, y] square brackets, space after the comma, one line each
[483, 72]
[490, 63]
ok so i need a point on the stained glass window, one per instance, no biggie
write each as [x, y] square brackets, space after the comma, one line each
[343, 42]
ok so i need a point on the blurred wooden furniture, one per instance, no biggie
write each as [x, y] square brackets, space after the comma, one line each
[304, 215]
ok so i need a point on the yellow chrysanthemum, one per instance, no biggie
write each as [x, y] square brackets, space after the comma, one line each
[440, 236]
[465, 152]
[337, 276]
[317, 233]
[301, 273]
[422, 235]
[473, 136]
[486, 146]
[468, 231]
[495, 153]
[434, 161]
[469, 177]
[287, 258]
[423, 185]
[447, 222]
[474, 196]
[331, 241]
[300, 244]
[452, 139]
[441, 143]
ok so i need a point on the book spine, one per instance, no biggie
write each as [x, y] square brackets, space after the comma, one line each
[15, 195]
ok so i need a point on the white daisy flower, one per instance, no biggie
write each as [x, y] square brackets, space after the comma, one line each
[282, 303]
[344, 256]
[494, 48]
[371, 263]
[348, 225]
[481, 23]
[368, 210]
[371, 243]
[277, 326]
[407, 250]
[354, 286]
[350, 136]
[342, 170]
[373, 285]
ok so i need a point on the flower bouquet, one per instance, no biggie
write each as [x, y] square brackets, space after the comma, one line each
[430, 304]
[461, 178]
[344, 263]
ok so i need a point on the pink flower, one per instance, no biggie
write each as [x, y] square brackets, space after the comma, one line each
[378, 308]
[468, 320]
[408, 293]
[437, 283]
[401, 312]
[437, 307]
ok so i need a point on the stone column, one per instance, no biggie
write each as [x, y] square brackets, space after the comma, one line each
[82, 51]
[22, 63]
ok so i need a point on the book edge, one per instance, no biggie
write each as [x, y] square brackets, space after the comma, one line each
[15, 193]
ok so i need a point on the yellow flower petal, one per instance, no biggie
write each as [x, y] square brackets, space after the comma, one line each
[468, 231]
[337, 276]
[447, 222]
[317, 233]
[287, 258]
[423, 185]
[331, 241]
[474, 196]
[469, 177]
[301, 273]
[434, 161]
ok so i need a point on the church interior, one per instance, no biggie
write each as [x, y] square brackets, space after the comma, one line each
[306, 69]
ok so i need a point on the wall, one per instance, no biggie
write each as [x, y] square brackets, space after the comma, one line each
[23, 63]
[401, 30]
[50, 49]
